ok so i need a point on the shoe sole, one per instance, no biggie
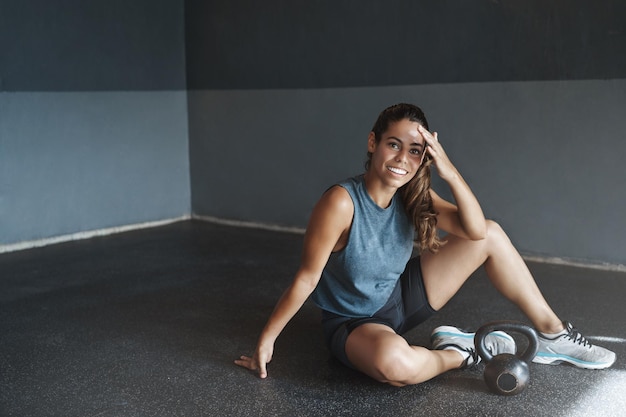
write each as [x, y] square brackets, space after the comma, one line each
[553, 359]
[453, 331]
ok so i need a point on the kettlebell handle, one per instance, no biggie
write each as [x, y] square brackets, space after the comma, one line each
[511, 326]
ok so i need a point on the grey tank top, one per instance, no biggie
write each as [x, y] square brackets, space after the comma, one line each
[359, 279]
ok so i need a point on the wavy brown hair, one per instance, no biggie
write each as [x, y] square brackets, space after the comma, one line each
[416, 197]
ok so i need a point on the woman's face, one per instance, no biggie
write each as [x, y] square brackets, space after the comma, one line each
[398, 155]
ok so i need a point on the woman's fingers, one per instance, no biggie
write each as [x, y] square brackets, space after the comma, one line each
[246, 362]
[251, 364]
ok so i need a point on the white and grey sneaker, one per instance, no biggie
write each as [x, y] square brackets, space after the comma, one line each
[572, 347]
[453, 338]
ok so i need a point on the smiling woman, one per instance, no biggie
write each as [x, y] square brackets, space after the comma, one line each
[402, 128]
[400, 153]
[357, 266]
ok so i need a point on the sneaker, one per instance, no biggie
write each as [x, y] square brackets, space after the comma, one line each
[572, 347]
[448, 337]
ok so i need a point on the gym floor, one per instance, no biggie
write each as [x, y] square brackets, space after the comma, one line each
[148, 323]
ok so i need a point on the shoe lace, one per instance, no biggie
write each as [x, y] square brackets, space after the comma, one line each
[474, 355]
[575, 336]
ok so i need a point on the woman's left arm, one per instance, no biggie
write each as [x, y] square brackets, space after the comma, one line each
[466, 218]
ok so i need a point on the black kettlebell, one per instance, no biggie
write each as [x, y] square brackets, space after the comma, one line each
[506, 373]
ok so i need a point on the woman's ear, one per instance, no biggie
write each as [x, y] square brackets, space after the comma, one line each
[371, 142]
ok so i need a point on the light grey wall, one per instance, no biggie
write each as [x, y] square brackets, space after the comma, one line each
[544, 157]
[82, 161]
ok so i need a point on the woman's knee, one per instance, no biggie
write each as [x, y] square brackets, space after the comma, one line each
[384, 355]
[495, 232]
[395, 367]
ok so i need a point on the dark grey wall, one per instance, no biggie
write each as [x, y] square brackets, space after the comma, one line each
[96, 45]
[528, 98]
[316, 44]
[93, 117]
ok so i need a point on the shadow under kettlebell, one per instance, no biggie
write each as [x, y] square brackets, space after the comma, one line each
[507, 373]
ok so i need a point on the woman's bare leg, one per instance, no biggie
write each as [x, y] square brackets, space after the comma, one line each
[379, 352]
[446, 271]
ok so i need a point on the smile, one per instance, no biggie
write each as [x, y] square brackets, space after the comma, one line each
[398, 171]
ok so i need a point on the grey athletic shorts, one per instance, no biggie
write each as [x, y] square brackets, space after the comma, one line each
[406, 308]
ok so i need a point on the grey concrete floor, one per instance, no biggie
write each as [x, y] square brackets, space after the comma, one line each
[148, 323]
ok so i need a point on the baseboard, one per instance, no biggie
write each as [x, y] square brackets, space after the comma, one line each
[12, 247]
[252, 225]
[603, 266]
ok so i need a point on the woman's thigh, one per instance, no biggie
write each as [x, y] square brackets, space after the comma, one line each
[447, 270]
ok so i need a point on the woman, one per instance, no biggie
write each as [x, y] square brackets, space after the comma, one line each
[356, 265]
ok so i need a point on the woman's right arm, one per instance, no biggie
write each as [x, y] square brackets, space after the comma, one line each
[327, 231]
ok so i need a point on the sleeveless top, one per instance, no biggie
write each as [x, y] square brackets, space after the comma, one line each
[359, 279]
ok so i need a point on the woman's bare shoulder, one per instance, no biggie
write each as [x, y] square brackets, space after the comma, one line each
[335, 208]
